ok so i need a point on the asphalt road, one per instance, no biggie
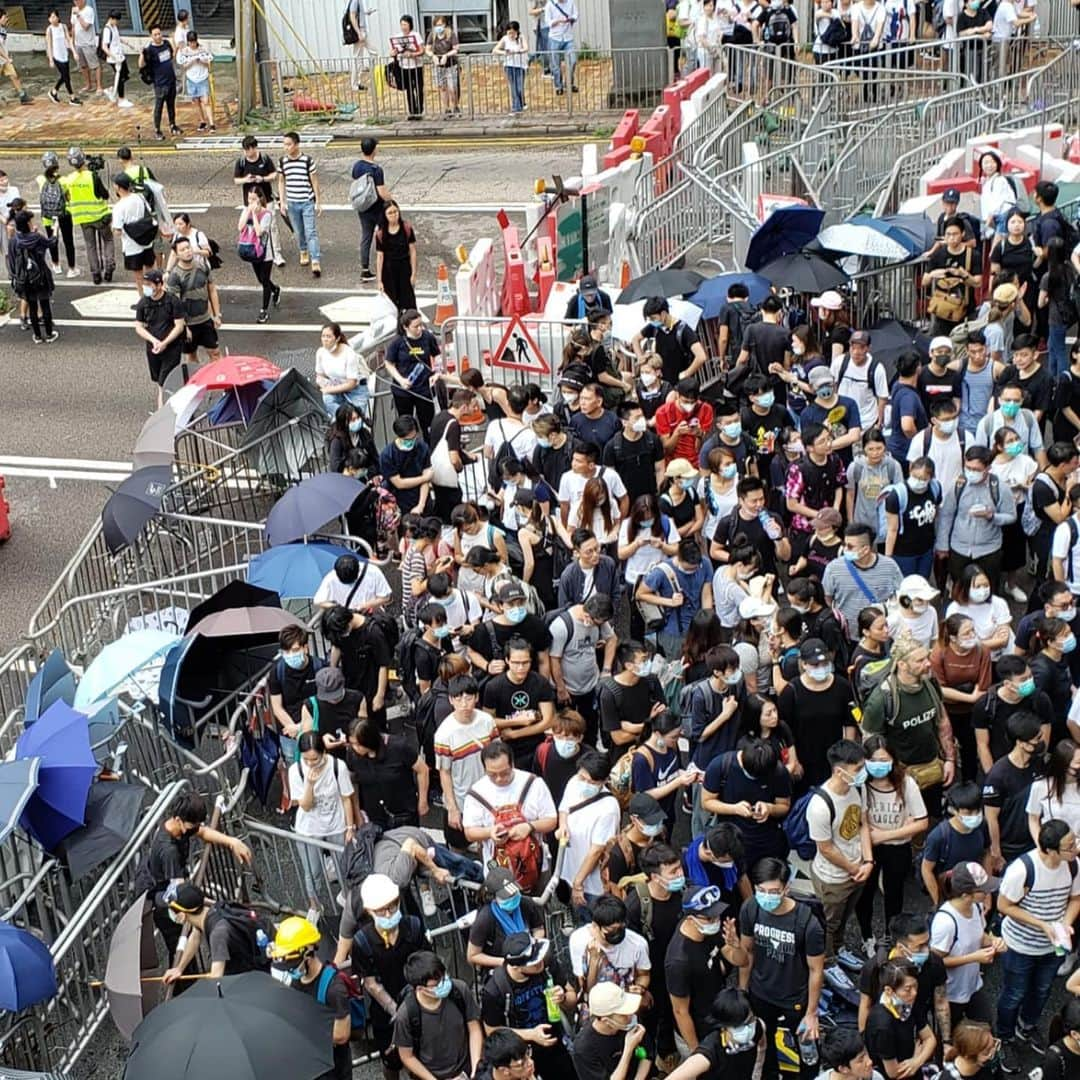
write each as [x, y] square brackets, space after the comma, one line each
[85, 397]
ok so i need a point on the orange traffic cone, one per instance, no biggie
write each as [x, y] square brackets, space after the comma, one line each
[444, 298]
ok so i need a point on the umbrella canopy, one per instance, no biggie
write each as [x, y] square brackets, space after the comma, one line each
[131, 953]
[156, 444]
[294, 570]
[234, 622]
[890, 337]
[18, 782]
[58, 807]
[118, 662]
[245, 1025]
[786, 230]
[233, 371]
[628, 319]
[112, 812]
[27, 975]
[914, 229]
[306, 508]
[237, 594]
[239, 406]
[133, 504]
[54, 681]
[857, 237]
[803, 272]
[102, 724]
[184, 402]
[660, 283]
[712, 295]
[287, 423]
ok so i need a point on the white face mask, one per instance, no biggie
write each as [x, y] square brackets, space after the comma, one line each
[640, 425]
[649, 378]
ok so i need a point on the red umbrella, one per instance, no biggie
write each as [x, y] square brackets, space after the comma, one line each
[232, 371]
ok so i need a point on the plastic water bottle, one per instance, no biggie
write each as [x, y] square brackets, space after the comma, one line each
[808, 1051]
[554, 1013]
[262, 940]
[640, 1053]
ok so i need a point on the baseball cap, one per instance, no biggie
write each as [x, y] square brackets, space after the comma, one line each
[679, 468]
[571, 382]
[813, 651]
[941, 342]
[188, 898]
[511, 591]
[917, 587]
[588, 284]
[704, 900]
[1006, 293]
[330, 685]
[753, 607]
[523, 950]
[828, 517]
[971, 877]
[500, 883]
[821, 376]
[830, 300]
[951, 195]
[860, 337]
[646, 808]
[610, 999]
[153, 275]
[378, 891]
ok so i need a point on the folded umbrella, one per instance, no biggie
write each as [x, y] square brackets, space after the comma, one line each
[244, 1025]
[112, 812]
[663, 283]
[133, 504]
[156, 444]
[241, 621]
[119, 661]
[785, 231]
[27, 974]
[18, 782]
[232, 371]
[803, 272]
[132, 952]
[58, 806]
[53, 681]
[712, 295]
[307, 507]
[294, 570]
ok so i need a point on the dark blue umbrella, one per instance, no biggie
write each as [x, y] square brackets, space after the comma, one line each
[133, 504]
[712, 295]
[294, 570]
[239, 405]
[54, 681]
[785, 231]
[27, 975]
[306, 508]
[62, 740]
[259, 754]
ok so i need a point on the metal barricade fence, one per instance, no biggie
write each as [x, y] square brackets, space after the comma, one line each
[608, 80]
[17, 668]
[880, 84]
[754, 70]
[887, 292]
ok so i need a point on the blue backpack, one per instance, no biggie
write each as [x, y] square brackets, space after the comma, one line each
[901, 492]
[796, 828]
[357, 1008]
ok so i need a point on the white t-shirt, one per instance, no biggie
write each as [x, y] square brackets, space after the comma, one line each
[327, 816]
[856, 381]
[1067, 549]
[844, 830]
[645, 558]
[950, 12]
[338, 366]
[594, 824]
[372, 585]
[946, 454]
[538, 804]
[82, 26]
[987, 618]
[922, 628]
[1067, 808]
[1005, 18]
[195, 61]
[520, 437]
[953, 934]
[461, 607]
[58, 40]
[458, 747]
[127, 211]
[885, 811]
[629, 956]
[1047, 899]
[572, 486]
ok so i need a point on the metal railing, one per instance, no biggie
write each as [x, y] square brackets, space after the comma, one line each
[606, 80]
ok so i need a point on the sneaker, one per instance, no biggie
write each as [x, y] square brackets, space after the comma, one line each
[159, 136]
[559, 93]
[574, 90]
[24, 98]
[52, 336]
[316, 270]
[1010, 1059]
[305, 259]
[109, 273]
[123, 103]
[1031, 1036]
[96, 278]
[850, 961]
[54, 97]
[174, 130]
[110, 94]
[870, 946]
[73, 272]
[279, 262]
[366, 275]
[74, 101]
[24, 323]
[38, 340]
[263, 316]
[201, 127]
[546, 75]
[1014, 592]
[276, 297]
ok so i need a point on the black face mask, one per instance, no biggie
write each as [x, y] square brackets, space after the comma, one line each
[615, 937]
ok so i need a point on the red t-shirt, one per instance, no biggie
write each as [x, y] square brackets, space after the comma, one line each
[668, 418]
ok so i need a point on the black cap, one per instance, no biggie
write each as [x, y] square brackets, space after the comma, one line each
[951, 195]
[646, 809]
[189, 898]
[813, 651]
[153, 275]
[522, 950]
[122, 180]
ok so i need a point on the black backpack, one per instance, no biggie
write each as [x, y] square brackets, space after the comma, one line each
[411, 640]
[414, 1014]
[28, 274]
[348, 31]
[504, 453]
[246, 952]
[778, 28]
[358, 858]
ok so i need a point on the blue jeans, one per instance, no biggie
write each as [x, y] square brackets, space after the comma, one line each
[916, 564]
[515, 76]
[1058, 350]
[302, 217]
[357, 397]
[1025, 988]
[557, 49]
[542, 48]
[458, 865]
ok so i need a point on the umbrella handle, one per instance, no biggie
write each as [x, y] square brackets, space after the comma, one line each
[97, 983]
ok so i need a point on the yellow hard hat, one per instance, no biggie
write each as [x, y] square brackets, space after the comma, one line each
[293, 936]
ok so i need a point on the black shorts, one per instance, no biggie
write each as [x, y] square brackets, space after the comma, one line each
[203, 336]
[161, 364]
[143, 261]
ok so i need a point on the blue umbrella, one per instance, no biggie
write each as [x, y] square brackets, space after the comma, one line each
[294, 570]
[18, 781]
[239, 405]
[118, 661]
[102, 724]
[712, 295]
[306, 508]
[58, 806]
[27, 975]
[915, 231]
[785, 231]
[53, 682]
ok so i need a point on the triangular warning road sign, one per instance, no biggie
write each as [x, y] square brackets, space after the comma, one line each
[519, 351]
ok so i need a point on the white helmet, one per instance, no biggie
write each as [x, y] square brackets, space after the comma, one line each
[49, 160]
[378, 891]
[76, 157]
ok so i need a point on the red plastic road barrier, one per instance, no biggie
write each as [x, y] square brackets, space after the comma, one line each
[515, 298]
[616, 156]
[961, 183]
[5, 518]
[627, 128]
[303, 103]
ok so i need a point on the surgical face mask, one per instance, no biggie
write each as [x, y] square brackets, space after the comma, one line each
[743, 1035]
[388, 922]
[407, 444]
[858, 779]
[652, 830]
[512, 904]
[440, 30]
[732, 431]
[1066, 645]
[974, 476]
[649, 378]
[979, 593]
[545, 443]
[687, 483]
[971, 821]
[570, 397]
[646, 525]
[878, 769]
[517, 614]
[966, 644]
[687, 406]
[1068, 614]
[797, 348]
[355, 425]
[852, 556]
[794, 448]
[766, 401]
[733, 679]
[917, 485]
[148, 290]
[676, 884]
[710, 927]
[441, 632]
[820, 674]
[1010, 409]
[1027, 687]
[640, 425]
[295, 660]
[442, 990]
[730, 471]
[768, 901]
[918, 606]
[824, 391]
[947, 427]
[565, 748]
[1014, 449]
[656, 322]
[589, 790]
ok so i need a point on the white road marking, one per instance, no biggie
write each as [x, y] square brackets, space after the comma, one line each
[227, 326]
[54, 469]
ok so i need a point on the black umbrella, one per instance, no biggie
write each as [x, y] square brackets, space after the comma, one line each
[112, 812]
[244, 1025]
[133, 504]
[891, 337]
[287, 426]
[804, 272]
[237, 594]
[660, 283]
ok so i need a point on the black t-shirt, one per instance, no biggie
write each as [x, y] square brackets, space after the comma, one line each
[426, 660]
[766, 342]
[682, 513]
[663, 922]
[503, 698]
[782, 944]
[888, 1038]
[619, 866]
[596, 1055]
[598, 430]
[337, 1001]
[387, 962]
[1043, 493]
[159, 316]
[817, 719]
[385, 783]
[673, 346]
[696, 970]
[1054, 678]
[159, 60]
[934, 387]
[488, 934]
[629, 703]
[551, 462]
[1038, 387]
[1070, 395]
[969, 259]
[166, 861]
[531, 628]
[554, 770]
[916, 536]
[734, 524]
[505, 1003]
[262, 166]
[369, 168]
[947, 847]
[446, 422]
[1007, 787]
[931, 975]
[294, 686]
[764, 429]
[727, 1063]
[333, 716]
[1061, 1063]
[992, 712]
[635, 462]
[727, 779]
[363, 652]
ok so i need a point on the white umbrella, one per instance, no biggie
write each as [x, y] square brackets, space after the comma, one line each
[861, 240]
[628, 319]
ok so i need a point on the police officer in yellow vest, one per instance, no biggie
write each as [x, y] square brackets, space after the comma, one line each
[88, 203]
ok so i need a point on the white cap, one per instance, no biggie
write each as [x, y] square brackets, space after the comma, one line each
[830, 300]
[753, 607]
[917, 587]
[378, 891]
[941, 342]
[610, 999]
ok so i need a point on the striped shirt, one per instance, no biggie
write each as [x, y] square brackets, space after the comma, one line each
[298, 172]
[458, 747]
[1047, 899]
